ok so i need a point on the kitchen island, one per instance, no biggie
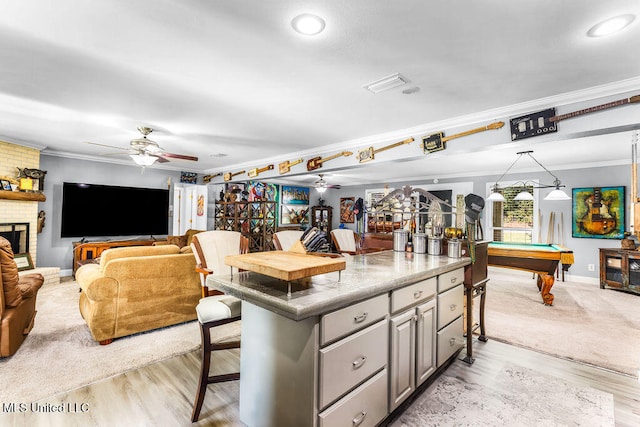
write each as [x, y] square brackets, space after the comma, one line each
[345, 346]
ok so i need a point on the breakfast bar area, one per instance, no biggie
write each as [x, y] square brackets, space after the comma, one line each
[345, 347]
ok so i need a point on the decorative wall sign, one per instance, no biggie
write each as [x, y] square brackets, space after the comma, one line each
[346, 209]
[188, 177]
[598, 212]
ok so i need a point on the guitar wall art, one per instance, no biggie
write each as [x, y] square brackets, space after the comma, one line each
[598, 212]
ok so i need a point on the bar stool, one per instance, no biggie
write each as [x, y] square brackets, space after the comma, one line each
[215, 308]
[214, 311]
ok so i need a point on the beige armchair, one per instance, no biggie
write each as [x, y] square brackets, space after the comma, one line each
[17, 301]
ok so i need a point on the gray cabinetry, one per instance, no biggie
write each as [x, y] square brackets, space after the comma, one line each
[412, 325]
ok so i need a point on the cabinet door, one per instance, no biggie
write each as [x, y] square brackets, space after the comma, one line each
[402, 363]
[426, 341]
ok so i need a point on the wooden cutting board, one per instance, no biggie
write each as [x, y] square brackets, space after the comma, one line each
[285, 265]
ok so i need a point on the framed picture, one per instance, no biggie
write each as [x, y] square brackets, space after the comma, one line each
[294, 214]
[6, 185]
[23, 261]
[295, 195]
[346, 209]
[598, 212]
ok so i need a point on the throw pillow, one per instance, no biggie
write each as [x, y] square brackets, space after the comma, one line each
[12, 294]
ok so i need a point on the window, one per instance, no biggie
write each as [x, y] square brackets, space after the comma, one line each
[513, 221]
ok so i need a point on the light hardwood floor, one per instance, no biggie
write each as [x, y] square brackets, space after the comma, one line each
[162, 394]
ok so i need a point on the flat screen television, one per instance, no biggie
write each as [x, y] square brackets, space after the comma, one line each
[90, 210]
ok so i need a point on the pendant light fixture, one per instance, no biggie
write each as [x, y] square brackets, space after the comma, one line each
[556, 194]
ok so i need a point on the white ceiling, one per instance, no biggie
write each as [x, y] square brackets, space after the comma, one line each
[232, 77]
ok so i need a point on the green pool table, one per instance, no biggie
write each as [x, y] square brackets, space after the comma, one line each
[539, 258]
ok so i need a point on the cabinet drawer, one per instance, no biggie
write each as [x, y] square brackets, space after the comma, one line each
[366, 406]
[348, 362]
[450, 305]
[342, 322]
[413, 294]
[450, 279]
[450, 340]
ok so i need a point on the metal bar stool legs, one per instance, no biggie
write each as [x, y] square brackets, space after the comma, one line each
[207, 348]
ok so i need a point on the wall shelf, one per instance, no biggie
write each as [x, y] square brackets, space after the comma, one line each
[21, 196]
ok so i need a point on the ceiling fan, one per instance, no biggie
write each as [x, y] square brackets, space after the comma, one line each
[146, 152]
[321, 185]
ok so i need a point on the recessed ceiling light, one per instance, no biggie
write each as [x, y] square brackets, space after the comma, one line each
[308, 24]
[610, 26]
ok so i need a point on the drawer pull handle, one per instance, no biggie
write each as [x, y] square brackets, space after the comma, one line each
[417, 294]
[358, 363]
[452, 342]
[454, 279]
[359, 419]
[360, 317]
[452, 307]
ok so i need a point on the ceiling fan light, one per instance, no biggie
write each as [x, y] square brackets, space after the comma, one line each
[321, 189]
[143, 159]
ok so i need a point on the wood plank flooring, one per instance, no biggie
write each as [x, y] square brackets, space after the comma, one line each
[162, 394]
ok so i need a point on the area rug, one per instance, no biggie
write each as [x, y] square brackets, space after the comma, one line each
[585, 324]
[59, 354]
[516, 397]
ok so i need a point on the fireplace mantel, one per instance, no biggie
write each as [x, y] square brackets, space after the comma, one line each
[25, 197]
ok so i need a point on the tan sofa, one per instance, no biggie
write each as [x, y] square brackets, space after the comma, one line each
[136, 289]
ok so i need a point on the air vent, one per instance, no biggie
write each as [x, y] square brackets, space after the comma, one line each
[386, 83]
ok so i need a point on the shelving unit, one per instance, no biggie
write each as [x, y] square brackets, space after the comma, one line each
[620, 269]
[255, 220]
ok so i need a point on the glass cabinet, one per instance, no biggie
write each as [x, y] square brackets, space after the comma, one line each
[321, 218]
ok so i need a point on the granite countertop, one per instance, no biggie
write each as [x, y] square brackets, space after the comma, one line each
[365, 276]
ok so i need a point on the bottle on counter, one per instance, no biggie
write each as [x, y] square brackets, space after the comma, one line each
[408, 247]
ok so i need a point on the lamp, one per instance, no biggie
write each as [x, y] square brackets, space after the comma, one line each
[556, 194]
[143, 159]
[321, 189]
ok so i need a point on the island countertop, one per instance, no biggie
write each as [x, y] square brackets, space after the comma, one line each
[365, 276]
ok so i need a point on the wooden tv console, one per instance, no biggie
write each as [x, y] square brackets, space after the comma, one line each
[86, 251]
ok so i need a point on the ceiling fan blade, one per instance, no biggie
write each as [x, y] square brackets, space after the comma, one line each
[179, 156]
[108, 146]
[160, 158]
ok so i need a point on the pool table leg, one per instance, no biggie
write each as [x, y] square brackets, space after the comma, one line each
[545, 283]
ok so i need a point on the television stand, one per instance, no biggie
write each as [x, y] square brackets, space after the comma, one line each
[84, 251]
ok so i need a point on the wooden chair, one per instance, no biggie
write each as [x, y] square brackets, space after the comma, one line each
[210, 248]
[346, 241]
[283, 240]
[215, 308]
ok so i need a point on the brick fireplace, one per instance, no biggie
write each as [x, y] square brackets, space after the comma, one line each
[19, 211]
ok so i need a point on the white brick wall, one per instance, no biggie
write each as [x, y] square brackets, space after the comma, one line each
[11, 157]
